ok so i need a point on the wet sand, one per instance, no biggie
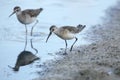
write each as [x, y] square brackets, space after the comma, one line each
[97, 61]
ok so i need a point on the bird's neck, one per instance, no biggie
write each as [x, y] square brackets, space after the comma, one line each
[57, 31]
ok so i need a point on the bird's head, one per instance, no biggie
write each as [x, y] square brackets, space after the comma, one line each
[52, 29]
[15, 10]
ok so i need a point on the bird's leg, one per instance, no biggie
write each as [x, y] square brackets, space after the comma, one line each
[25, 38]
[33, 27]
[33, 47]
[73, 43]
[65, 48]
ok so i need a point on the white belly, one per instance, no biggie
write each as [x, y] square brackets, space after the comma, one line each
[26, 19]
[30, 20]
[67, 36]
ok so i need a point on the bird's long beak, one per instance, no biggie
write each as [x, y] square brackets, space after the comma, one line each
[48, 36]
[12, 14]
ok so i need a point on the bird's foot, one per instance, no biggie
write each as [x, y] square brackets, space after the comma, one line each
[65, 53]
[70, 50]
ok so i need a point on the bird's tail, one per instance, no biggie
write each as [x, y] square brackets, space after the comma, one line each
[81, 27]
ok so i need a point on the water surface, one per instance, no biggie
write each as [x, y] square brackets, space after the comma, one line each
[56, 12]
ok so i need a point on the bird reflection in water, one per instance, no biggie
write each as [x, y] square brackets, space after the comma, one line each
[25, 57]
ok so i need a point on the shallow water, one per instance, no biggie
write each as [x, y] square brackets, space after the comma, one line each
[57, 12]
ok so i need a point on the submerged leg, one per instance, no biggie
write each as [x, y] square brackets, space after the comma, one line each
[33, 47]
[73, 43]
[33, 27]
[65, 48]
[25, 38]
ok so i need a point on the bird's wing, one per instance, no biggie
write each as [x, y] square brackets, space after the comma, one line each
[71, 29]
[31, 12]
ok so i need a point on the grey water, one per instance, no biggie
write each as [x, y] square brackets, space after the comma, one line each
[56, 12]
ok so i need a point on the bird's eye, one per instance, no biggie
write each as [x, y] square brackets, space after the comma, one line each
[53, 29]
[17, 10]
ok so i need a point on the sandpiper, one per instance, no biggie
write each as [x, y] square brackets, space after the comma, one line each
[27, 16]
[66, 33]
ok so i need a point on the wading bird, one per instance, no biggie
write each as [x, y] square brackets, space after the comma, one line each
[27, 16]
[66, 33]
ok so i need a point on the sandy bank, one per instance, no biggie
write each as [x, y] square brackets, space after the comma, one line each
[97, 61]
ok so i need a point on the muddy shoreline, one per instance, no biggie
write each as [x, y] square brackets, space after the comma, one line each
[97, 61]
